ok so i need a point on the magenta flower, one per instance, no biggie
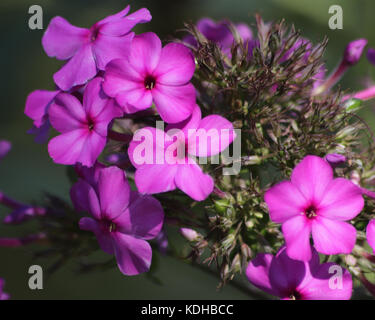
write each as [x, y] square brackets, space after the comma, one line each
[370, 233]
[296, 280]
[3, 295]
[122, 220]
[335, 159]
[313, 202]
[169, 162]
[153, 74]
[89, 50]
[83, 127]
[5, 147]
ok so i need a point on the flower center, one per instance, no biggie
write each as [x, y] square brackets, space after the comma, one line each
[310, 212]
[109, 225]
[94, 34]
[150, 82]
[90, 124]
[295, 295]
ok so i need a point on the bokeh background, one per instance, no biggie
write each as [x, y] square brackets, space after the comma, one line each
[27, 171]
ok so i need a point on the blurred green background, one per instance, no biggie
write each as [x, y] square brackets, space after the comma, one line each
[28, 171]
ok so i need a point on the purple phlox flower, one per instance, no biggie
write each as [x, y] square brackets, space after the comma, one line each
[370, 233]
[3, 295]
[164, 161]
[335, 159]
[41, 134]
[83, 127]
[153, 74]
[89, 50]
[20, 242]
[313, 202]
[220, 33]
[5, 147]
[296, 280]
[122, 220]
[353, 51]
[23, 213]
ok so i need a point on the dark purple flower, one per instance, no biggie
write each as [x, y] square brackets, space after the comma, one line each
[5, 147]
[122, 220]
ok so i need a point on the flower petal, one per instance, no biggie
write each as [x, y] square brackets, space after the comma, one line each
[284, 201]
[193, 181]
[176, 66]
[114, 192]
[257, 272]
[62, 40]
[104, 239]
[312, 176]
[297, 237]
[143, 219]
[333, 237]
[66, 113]
[78, 70]
[189, 126]
[91, 149]
[37, 103]
[133, 255]
[328, 282]
[342, 200]
[370, 234]
[85, 198]
[214, 134]
[174, 103]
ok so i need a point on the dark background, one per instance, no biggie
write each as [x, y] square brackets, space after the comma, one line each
[28, 171]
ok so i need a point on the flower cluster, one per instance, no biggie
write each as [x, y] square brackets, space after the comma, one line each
[302, 174]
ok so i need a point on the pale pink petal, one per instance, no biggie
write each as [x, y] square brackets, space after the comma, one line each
[143, 219]
[333, 237]
[104, 239]
[214, 134]
[342, 200]
[312, 176]
[284, 201]
[114, 192]
[133, 255]
[370, 233]
[257, 272]
[174, 104]
[37, 103]
[62, 40]
[297, 237]
[78, 70]
[66, 113]
[193, 181]
[176, 65]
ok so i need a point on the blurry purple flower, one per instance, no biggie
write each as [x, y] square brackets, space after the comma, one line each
[171, 164]
[20, 242]
[83, 127]
[3, 295]
[335, 159]
[313, 202]
[353, 51]
[370, 233]
[162, 241]
[89, 50]
[5, 147]
[122, 220]
[23, 213]
[41, 134]
[296, 280]
[153, 74]
[371, 55]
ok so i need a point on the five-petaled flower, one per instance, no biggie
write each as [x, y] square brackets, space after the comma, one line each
[89, 50]
[122, 220]
[83, 127]
[153, 74]
[313, 202]
[164, 161]
[290, 279]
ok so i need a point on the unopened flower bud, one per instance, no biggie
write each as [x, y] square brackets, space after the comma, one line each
[335, 159]
[353, 51]
[189, 234]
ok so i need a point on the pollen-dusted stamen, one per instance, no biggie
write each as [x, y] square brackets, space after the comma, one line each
[310, 212]
[150, 82]
[295, 295]
[112, 227]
